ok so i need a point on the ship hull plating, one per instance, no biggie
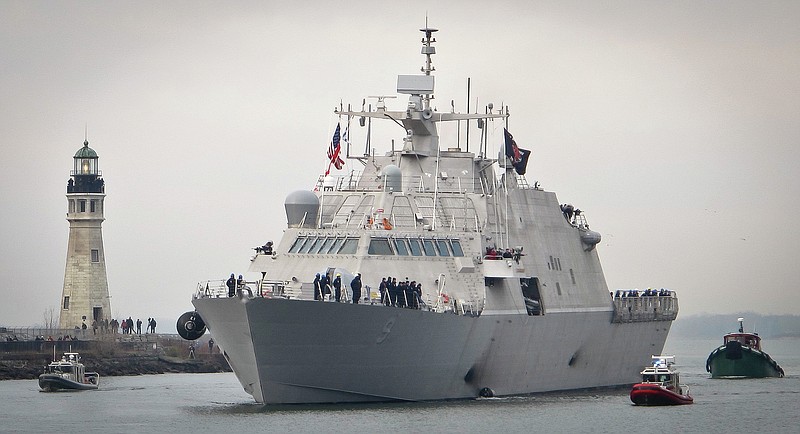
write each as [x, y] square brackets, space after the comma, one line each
[295, 351]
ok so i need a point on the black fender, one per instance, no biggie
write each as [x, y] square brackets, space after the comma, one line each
[191, 326]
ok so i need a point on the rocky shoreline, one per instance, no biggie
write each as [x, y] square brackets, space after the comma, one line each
[136, 355]
[30, 368]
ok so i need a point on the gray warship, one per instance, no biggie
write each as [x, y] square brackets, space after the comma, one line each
[513, 297]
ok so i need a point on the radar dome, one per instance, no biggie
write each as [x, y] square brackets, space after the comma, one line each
[393, 178]
[302, 209]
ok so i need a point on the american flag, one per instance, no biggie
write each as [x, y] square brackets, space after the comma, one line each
[334, 150]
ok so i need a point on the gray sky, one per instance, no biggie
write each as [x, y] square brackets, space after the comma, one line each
[673, 125]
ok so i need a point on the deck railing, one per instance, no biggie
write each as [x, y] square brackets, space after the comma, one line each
[281, 289]
[354, 181]
[645, 308]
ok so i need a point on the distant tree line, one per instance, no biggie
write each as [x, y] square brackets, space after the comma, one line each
[716, 325]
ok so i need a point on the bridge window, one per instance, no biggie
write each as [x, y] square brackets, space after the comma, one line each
[400, 247]
[309, 245]
[427, 246]
[337, 244]
[416, 248]
[443, 250]
[456, 245]
[298, 243]
[326, 245]
[380, 246]
[349, 246]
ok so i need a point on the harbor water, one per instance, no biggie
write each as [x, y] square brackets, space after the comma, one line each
[199, 403]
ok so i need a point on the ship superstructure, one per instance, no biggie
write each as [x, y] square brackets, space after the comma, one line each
[513, 299]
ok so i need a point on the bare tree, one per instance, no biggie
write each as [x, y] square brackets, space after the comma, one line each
[50, 318]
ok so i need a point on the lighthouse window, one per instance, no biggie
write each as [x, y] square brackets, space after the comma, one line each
[427, 246]
[71, 205]
[95, 255]
[82, 205]
[456, 245]
[416, 249]
[66, 302]
[92, 205]
[380, 246]
[349, 246]
[443, 250]
[400, 247]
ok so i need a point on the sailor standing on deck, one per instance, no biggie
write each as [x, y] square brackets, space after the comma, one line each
[325, 286]
[231, 283]
[337, 287]
[355, 285]
[317, 288]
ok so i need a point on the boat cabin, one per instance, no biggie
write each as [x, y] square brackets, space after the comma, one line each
[750, 340]
[68, 367]
[661, 373]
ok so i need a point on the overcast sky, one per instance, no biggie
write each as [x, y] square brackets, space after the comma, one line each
[674, 125]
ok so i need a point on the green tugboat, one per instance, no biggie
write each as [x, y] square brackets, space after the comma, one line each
[741, 356]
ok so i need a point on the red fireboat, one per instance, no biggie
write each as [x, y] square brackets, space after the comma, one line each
[661, 385]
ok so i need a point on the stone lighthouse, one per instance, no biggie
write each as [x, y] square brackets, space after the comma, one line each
[85, 295]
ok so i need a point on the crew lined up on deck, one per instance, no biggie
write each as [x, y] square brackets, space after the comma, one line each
[405, 293]
[649, 292]
[323, 287]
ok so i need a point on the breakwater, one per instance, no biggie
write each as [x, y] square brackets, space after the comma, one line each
[134, 355]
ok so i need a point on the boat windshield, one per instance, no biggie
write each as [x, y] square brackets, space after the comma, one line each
[57, 369]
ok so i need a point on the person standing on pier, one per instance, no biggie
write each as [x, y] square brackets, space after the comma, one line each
[138, 326]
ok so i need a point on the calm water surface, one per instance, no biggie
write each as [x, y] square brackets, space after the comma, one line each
[180, 403]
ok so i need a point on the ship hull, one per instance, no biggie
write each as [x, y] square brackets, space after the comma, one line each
[297, 351]
[725, 362]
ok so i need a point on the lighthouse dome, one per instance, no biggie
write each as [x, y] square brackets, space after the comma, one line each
[86, 151]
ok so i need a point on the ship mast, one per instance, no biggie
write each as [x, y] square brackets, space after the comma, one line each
[428, 49]
[418, 119]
